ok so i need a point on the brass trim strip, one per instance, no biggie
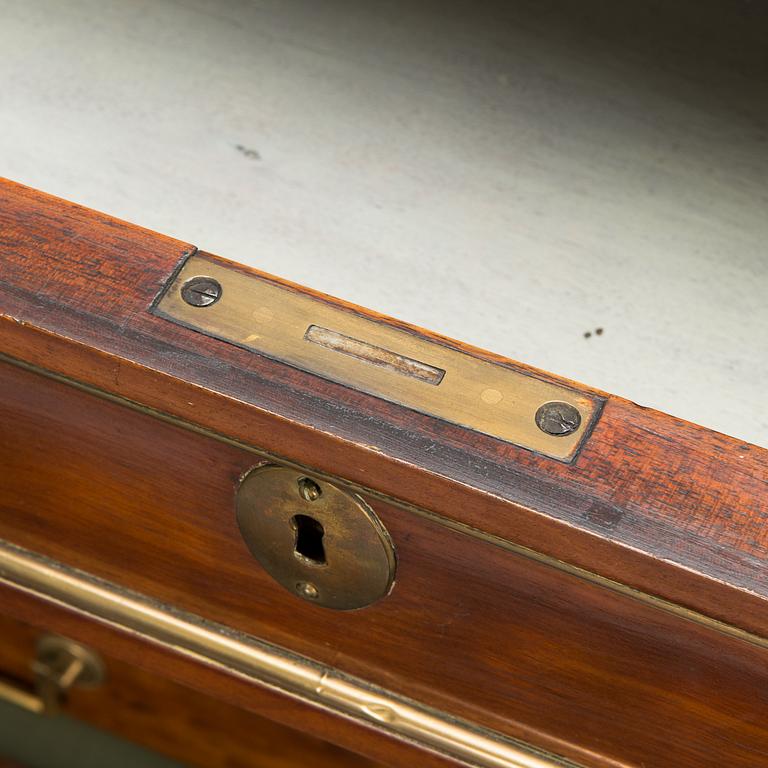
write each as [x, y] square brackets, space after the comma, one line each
[267, 664]
[268, 318]
[659, 603]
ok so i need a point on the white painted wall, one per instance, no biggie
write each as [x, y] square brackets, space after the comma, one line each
[512, 174]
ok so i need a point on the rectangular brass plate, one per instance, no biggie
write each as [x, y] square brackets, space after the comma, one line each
[371, 356]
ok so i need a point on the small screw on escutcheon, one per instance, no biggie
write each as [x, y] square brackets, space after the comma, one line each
[307, 590]
[201, 291]
[558, 418]
[309, 490]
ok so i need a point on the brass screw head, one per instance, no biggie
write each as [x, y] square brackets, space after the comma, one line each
[558, 418]
[307, 590]
[201, 291]
[309, 490]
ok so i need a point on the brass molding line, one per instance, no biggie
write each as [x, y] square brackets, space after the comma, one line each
[659, 603]
[267, 664]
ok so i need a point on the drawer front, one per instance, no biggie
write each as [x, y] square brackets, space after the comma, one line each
[121, 496]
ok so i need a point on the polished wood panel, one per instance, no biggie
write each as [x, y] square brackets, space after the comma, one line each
[654, 502]
[171, 719]
[473, 627]
[498, 638]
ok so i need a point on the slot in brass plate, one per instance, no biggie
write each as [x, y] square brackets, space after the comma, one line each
[372, 356]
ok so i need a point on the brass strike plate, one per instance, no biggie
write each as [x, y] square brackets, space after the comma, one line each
[220, 300]
[323, 544]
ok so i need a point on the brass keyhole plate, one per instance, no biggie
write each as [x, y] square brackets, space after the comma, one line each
[322, 543]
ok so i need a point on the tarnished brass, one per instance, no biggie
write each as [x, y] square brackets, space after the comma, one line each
[374, 357]
[59, 665]
[322, 543]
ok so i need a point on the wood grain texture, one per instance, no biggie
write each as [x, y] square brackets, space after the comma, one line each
[180, 723]
[493, 636]
[653, 502]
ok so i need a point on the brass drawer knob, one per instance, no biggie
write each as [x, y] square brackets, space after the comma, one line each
[322, 543]
[59, 665]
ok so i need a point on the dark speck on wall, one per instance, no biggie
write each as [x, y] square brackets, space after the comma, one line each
[251, 154]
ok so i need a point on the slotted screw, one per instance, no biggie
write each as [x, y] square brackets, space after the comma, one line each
[201, 291]
[309, 490]
[558, 418]
[307, 591]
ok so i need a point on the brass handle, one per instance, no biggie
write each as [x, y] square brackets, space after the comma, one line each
[59, 664]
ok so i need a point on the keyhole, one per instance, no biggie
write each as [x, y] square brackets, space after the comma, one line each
[309, 539]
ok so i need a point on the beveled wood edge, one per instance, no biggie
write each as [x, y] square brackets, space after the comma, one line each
[659, 603]
[267, 665]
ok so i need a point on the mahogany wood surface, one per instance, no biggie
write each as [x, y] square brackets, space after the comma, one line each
[651, 501]
[490, 635]
[471, 628]
[185, 725]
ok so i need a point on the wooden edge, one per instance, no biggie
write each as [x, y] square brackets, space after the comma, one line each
[565, 514]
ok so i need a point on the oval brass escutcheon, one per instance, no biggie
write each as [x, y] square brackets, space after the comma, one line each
[323, 544]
